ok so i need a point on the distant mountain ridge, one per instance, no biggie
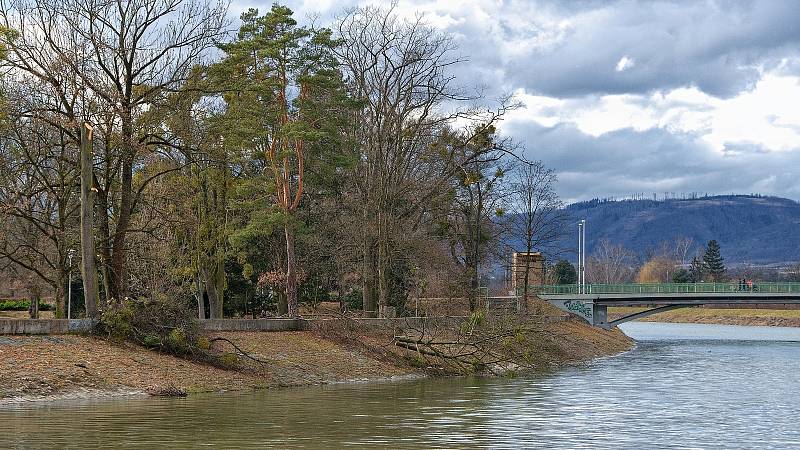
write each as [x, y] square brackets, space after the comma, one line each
[750, 228]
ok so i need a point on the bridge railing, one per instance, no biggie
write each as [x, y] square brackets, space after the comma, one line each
[669, 288]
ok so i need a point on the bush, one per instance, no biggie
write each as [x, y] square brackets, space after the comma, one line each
[167, 325]
[22, 305]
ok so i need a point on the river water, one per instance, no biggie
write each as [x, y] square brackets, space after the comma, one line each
[696, 386]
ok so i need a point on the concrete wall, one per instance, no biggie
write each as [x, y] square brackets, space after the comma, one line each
[64, 326]
[416, 322]
[44, 326]
[253, 324]
[303, 324]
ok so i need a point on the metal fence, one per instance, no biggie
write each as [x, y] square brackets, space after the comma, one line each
[669, 288]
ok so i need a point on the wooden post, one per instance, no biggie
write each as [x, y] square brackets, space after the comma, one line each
[88, 264]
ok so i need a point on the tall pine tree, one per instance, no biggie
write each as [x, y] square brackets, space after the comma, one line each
[285, 101]
[712, 260]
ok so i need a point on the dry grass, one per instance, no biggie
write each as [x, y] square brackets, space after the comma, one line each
[512, 344]
[51, 365]
[305, 357]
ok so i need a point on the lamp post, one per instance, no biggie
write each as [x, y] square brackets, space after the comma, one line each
[583, 252]
[70, 254]
[582, 256]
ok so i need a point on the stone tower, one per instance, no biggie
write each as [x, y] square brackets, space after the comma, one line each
[535, 269]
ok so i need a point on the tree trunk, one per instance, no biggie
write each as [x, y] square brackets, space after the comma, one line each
[383, 298]
[88, 264]
[369, 278]
[383, 264]
[340, 295]
[118, 284]
[105, 247]
[60, 295]
[472, 260]
[118, 281]
[219, 284]
[211, 290]
[283, 307]
[523, 301]
[33, 309]
[200, 294]
[216, 292]
[473, 289]
[291, 272]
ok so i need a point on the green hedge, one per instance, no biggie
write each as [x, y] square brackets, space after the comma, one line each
[22, 305]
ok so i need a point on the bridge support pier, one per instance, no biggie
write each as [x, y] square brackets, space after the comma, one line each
[597, 315]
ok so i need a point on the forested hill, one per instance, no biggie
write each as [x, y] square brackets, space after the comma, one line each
[750, 229]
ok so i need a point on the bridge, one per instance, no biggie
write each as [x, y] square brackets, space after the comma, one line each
[591, 301]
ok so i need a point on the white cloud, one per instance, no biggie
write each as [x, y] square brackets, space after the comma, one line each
[766, 116]
[625, 63]
[633, 87]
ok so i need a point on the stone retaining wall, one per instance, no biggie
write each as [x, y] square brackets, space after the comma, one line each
[44, 326]
[64, 326]
[253, 324]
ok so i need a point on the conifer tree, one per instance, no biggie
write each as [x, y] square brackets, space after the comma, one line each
[285, 100]
[565, 273]
[713, 262]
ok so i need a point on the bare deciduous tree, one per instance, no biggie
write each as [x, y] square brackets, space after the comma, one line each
[538, 219]
[403, 73]
[120, 58]
[610, 263]
[38, 180]
[399, 69]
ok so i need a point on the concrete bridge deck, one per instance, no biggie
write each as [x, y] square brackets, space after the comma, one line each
[591, 301]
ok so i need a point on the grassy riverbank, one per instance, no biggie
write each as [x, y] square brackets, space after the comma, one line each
[71, 366]
[719, 316]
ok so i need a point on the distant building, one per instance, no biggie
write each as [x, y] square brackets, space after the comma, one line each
[535, 262]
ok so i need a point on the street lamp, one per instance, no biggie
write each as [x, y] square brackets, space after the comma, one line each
[70, 254]
[583, 252]
[582, 256]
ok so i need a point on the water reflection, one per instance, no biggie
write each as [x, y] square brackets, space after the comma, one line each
[665, 393]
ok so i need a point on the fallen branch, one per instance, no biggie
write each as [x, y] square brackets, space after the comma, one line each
[241, 352]
[419, 349]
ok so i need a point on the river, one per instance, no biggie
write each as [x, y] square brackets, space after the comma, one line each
[699, 386]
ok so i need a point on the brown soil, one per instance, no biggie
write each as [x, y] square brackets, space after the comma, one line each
[47, 367]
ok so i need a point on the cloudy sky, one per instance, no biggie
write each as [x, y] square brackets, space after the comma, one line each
[624, 97]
